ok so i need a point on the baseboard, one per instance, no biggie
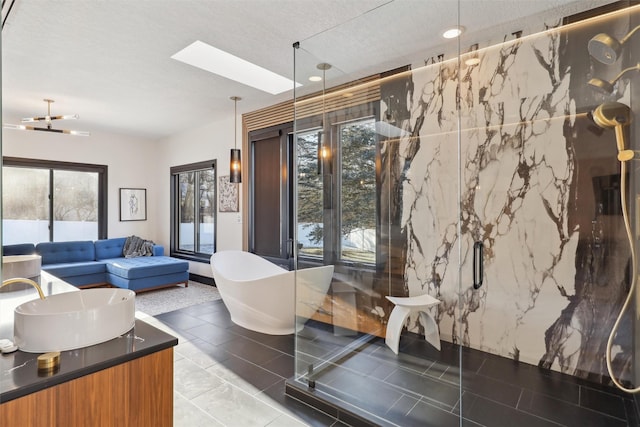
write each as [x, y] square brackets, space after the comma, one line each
[202, 279]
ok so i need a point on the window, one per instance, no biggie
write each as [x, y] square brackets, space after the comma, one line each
[310, 212]
[357, 142]
[193, 222]
[52, 201]
[337, 202]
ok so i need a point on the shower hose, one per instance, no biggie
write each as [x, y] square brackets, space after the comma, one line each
[634, 273]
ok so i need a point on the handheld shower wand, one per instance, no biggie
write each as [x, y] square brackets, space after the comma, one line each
[617, 115]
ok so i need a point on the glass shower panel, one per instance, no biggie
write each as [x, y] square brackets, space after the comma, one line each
[546, 160]
[377, 199]
[504, 178]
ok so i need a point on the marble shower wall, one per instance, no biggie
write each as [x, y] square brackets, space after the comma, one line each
[552, 285]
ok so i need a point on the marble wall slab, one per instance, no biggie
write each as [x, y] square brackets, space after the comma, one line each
[510, 168]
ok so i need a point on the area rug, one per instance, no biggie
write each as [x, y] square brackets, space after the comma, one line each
[164, 300]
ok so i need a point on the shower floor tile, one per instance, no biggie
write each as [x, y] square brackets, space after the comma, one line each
[565, 414]
[490, 413]
[497, 391]
[246, 371]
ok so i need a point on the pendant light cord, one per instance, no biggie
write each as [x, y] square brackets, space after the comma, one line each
[324, 67]
[324, 110]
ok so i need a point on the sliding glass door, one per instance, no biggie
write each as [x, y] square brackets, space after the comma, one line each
[52, 201]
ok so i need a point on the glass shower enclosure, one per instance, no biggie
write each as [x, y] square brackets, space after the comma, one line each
[495, 173]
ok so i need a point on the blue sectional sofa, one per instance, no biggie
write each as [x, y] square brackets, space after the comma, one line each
[87, 263]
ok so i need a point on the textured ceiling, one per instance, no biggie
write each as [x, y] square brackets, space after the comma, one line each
[109, 61]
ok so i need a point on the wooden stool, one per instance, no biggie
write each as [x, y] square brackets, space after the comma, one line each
[404, 306]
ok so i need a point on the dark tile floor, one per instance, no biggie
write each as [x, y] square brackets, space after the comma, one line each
[418, 387]
[227, 375]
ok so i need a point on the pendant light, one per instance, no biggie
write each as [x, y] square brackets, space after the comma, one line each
[324, 150]
[235, 164]
[47, 120]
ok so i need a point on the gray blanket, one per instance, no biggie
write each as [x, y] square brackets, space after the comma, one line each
[134, 246]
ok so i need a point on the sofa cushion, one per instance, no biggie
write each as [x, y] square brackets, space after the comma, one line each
[68, 269]
[148, 282]
[109, 248]
[61, 252]
[19, 249]
[139, 267]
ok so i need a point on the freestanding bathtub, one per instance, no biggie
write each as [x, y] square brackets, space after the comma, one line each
[261, 296]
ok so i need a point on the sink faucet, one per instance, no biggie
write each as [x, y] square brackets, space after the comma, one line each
[23, 280]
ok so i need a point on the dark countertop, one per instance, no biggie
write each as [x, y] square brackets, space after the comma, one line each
[19, 370]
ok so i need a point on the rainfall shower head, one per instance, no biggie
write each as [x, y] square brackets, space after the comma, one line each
[606, 87]
[615, 115]
[605, 48]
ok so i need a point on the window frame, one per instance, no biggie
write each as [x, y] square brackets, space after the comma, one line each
[332, 241]
[174, 249]
[52, 165]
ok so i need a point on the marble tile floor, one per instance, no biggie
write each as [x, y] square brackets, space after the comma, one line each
[227, 375]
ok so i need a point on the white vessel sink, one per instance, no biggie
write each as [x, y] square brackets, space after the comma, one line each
[73, 319]
[21, 266]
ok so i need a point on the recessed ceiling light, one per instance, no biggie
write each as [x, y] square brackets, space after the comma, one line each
[472, 61]
[214, 60]
[452, 33]
[315, 78]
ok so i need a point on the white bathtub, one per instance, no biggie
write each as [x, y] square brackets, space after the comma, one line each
[260, 296]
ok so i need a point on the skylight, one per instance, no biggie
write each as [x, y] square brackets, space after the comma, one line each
[214, 60]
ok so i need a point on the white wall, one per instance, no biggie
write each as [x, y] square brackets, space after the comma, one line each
[139, 163]
[211, 141]
[130, 162]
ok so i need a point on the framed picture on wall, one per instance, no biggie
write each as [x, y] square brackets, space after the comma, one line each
[133, 204]
[228, 195]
